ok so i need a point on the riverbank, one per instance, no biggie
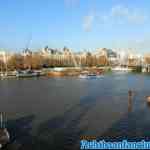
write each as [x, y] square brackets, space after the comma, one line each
[51, 72]
[64, 72]
[74, 71]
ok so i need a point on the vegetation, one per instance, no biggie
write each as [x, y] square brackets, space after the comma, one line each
[137, 69]
[38, 61]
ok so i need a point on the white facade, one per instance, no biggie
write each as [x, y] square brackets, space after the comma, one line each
[123, 57]
[3, 56]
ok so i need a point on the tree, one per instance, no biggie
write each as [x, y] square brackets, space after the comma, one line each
[15, 62]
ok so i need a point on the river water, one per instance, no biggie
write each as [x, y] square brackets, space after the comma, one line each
[54, 113]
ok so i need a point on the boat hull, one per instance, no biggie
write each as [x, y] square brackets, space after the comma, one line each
[89, 76]
[27, 75]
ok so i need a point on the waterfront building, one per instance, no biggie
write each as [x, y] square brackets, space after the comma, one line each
[122, 57]
[26, 52]
[147, 58]
[146, 63]
[112, 57]
[2, 54]
[135, 59]
[109, 55]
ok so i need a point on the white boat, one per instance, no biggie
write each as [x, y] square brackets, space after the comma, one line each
[26, 74]
[83, 76]
[3, 76]
[58, 69]
[121, 69]
[89, 76]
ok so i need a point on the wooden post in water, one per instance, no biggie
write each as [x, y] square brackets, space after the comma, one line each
[130, 98]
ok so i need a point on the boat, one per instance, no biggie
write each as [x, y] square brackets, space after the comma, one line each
[121, 69]
[83, 76]
[12, 73]
[89, 76]
[27, 74]
[4, 134]
[3, 76]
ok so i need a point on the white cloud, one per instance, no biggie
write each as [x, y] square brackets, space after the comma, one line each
[122, 15]
[88, 22]
[137, 18]
[71, 2]
[141, 43]
[117, 15]
[118, 11]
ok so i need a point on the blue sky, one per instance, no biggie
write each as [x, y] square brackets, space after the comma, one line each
[78, 24]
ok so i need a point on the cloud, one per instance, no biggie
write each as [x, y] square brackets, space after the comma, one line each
[71, 2]
[124, 15]
[88, 22]
[117, 15]
[141, 43]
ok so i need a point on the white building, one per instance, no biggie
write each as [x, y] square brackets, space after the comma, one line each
[3, 56]
[122, 57]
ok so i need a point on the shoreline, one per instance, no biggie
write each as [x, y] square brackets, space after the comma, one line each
[67, 72]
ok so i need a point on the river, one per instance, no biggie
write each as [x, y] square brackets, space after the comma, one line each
[53, 113]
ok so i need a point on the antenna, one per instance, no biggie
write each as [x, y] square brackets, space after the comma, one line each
[29, 41]
[26, 48]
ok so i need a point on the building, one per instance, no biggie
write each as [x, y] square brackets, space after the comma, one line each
[122, 58]
[135, 59]
[109, 54]
[4, 56]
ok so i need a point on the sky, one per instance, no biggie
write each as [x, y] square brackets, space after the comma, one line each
[77, 24]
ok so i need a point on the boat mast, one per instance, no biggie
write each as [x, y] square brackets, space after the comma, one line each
[6, 64]
[1, 68]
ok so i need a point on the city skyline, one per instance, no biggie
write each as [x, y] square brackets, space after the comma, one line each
[76, 24]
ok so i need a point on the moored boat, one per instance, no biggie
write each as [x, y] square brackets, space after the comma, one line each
[26, 74]
[121, 69]
[89, 76]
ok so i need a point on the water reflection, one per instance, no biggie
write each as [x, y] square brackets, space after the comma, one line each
[19, 130]
[64, 129]
[106, 102]
[129, 127]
